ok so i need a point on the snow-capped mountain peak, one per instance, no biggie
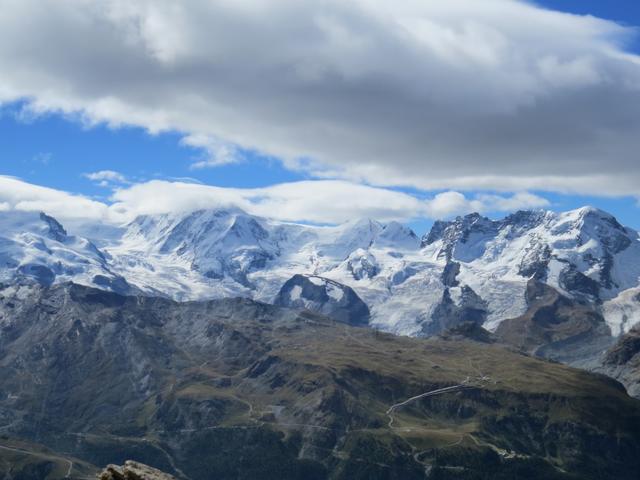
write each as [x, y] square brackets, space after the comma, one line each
[394, 234]
[36, 247]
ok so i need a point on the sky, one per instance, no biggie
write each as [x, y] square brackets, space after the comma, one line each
[320, 112]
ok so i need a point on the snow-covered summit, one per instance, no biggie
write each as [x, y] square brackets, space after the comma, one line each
[36, 247]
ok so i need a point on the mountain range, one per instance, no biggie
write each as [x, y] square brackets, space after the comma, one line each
[471, 267]
[564, 286]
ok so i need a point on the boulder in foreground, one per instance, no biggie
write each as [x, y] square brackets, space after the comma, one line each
[133, 471]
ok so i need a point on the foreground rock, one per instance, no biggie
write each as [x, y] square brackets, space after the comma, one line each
[133, 471]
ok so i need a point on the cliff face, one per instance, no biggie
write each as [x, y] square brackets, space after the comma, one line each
[622, 361]
[324, 296]
[557, 327]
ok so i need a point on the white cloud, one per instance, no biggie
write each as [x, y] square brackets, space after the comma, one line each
[106, 177]
[18, 195]
[320, 201]
[310, 201]
[448, 204]
[518, 201]
[217, 152]
[499, 95]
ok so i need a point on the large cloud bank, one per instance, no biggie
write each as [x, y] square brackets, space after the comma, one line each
[456, 94]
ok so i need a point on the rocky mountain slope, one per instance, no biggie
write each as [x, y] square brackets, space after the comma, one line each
[622, 361]
[235, 389]
[324, 296]
[468, 268]
[24, 460]
[558, 327]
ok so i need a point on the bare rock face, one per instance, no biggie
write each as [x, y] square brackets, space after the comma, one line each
[133, 471]
[324, 296]
[558, 328]
[622, 361]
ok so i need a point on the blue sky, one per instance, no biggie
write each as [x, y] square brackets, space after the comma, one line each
[623, 11]
[56, 150]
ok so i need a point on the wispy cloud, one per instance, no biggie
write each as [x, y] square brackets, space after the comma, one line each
[18, 195]
[107, 178]
[216, 152]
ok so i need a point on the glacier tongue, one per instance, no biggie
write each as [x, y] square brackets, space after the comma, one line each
[405, 281]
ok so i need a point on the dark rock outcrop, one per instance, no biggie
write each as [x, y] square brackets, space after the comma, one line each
[448, 314]
[133, 471]
[324, 296]
[557, 328]
[56, 230]
[450, 273]
[468, 331]
[622, 361]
